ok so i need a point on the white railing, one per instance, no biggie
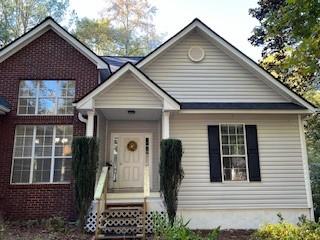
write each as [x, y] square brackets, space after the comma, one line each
[100, 195]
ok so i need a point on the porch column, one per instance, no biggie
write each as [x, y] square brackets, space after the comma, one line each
[165, 125]
[90, 124]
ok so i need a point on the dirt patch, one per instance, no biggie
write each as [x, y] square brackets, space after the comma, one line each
[235, 234]
[19, 231]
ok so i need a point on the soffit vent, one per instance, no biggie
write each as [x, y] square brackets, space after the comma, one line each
[196, 54]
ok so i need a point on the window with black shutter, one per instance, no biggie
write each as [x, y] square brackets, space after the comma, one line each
[233, 153]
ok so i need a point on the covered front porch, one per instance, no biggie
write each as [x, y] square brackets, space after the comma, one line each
[129, 114]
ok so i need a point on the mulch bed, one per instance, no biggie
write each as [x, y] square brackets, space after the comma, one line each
[29, 231]
[19, 231]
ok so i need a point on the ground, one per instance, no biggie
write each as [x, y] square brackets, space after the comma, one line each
[33, 230]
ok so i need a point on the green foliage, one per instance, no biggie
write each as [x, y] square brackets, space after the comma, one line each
[18, 16]
[304, 230]
[97, 34]
[178, 230]
[56, 224]
[289, 32]
[84, 165]
[125, 28]
[171, 174]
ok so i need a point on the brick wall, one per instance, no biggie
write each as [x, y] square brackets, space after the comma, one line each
[47, 57]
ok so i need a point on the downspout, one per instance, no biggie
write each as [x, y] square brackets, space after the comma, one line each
[82, 119]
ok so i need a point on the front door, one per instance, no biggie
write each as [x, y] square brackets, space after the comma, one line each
[130, 159]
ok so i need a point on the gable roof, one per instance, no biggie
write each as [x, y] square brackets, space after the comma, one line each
[170, 103]
[233, 52]
[41, 28]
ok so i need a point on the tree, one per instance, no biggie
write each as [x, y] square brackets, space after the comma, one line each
[289, 32]
[19, 16]
[132, 21]
[97, 34]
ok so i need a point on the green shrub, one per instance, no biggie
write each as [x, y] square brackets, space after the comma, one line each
[56, 224]
[171, 174]
[85, 153]
[164, 230]
[304, 230]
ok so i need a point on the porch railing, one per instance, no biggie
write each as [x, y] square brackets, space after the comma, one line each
[100, 195]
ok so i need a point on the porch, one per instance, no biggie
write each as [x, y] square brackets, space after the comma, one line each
[130, 115]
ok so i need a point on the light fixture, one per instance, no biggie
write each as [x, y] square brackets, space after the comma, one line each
[131, 111]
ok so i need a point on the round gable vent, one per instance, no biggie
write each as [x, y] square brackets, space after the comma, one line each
[196, 54]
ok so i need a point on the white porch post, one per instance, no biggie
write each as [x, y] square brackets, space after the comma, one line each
[165, 125]
[90, 124]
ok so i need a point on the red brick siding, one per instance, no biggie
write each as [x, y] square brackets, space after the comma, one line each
[47, 57]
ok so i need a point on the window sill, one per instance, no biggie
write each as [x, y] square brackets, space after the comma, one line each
[40, 185]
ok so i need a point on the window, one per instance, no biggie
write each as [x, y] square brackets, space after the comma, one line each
[47, 97]
[233, 152]
[42, 154]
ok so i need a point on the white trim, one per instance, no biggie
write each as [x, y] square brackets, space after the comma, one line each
[168, 103]
[41, 29]
[306, 166]
[90, 124]
[144, 135]
[165, 124]
[243, 111]
[196, 24]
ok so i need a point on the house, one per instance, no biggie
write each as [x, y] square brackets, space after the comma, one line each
[242, 130]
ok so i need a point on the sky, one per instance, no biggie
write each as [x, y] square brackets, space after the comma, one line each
[228, 18]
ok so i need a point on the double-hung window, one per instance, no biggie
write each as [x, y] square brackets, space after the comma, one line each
[233, 152]
[46, 97]
[42, 154]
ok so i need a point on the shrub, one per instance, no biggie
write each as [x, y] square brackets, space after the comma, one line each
[84, 164]
[178, 230]
[304, 230]
[171, 174]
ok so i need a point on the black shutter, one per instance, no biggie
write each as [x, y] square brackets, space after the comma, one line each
[214, 153]
[253, 153]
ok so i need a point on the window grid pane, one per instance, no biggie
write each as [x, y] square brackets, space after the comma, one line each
[43, 139]
[46, 97]
[233, 152]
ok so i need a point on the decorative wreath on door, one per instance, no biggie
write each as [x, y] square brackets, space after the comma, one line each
[132, 146]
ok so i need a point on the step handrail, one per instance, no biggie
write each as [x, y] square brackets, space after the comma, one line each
[100, 195]
[101, 183]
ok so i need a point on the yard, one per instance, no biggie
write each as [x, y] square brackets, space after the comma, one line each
[57, 230]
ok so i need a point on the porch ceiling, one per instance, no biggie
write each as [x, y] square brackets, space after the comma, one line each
[140, 114]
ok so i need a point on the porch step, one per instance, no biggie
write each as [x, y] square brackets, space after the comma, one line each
[122, 221]
[101, 236]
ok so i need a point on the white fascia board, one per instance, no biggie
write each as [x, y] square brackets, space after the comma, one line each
[168, 102]
[233, 52]
[41, 29]
[243, 111]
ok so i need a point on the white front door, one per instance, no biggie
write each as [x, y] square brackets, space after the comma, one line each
[130, 160]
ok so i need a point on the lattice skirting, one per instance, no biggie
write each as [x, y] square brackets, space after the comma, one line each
[120, 221]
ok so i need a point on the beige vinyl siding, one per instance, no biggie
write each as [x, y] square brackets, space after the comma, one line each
[217, 78]
[127, 93]
[152, 127]
[283, 184]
